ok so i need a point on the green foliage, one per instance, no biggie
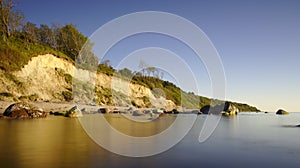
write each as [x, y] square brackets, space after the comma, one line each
[69, 40]
[16, 55]
[106, 69]
[60, 113]
[134, 103]
[125, 73]
[146, 101]
[245, 107]
[32, 97]
[169, 90]
[21, 42]
[68, 78]
[11, 19]
[172, 92]
[6, 94]
[67, 95]
[104, 95]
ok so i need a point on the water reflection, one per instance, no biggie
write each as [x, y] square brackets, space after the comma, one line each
[139, 129]
[43, 142]
[246, 140]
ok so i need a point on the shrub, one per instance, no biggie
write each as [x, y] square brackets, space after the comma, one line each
[68, 96]
[6, 94]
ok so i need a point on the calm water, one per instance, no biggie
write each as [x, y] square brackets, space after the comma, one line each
[247, 140]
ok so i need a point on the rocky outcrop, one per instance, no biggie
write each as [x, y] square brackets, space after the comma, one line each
[225, 109]
[230, 109]
[282, 112]
[24, 110]
[74, 112]
[205, 109]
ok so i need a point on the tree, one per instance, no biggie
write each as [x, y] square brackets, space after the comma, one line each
[143, 66]
[70, 40]
[11, 19]
[151, 70]
[106, 62]
[30, 33]
[47, 36]
[126, 73]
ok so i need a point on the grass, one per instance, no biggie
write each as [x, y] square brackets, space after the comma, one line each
[15, 54]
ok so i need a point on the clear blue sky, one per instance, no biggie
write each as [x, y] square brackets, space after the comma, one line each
[258, 41]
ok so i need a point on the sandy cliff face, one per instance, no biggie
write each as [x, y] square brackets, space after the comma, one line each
[42, 77]
[48, 78]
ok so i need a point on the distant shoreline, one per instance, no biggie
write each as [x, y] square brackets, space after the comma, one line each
[65, 106]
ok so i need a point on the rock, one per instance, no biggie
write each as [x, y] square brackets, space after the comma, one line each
[205, 109]
[158, 111]
[24, 110]
[115, 110]
[230, 109]
[174, 111]
[168, 112]
[282, 112]
[73, 112]
[103, 110]
[225, 109]
[147, 112]
[137, 113]
[196, 112]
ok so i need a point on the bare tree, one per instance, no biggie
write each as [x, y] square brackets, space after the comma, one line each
[10, 19]
[161, 75]
[144, 67]
[30, 32]
[151, 70]
[156, 73]
[106, 62]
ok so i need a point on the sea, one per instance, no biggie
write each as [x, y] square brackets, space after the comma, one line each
[247, 140]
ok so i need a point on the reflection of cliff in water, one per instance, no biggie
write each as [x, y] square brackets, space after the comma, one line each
[52, 142]
[139, 129]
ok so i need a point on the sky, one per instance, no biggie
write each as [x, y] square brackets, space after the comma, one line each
[258, 41]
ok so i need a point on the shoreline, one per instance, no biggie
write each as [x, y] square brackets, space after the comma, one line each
[46, 106]
[65, 106]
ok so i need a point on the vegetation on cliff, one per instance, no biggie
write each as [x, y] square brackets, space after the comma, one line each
[21, 40]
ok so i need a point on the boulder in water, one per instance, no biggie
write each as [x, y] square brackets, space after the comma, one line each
[24, 110]
[230, 109]
[226, 109]
[205, 109]
[74, 112]
[282, 112]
